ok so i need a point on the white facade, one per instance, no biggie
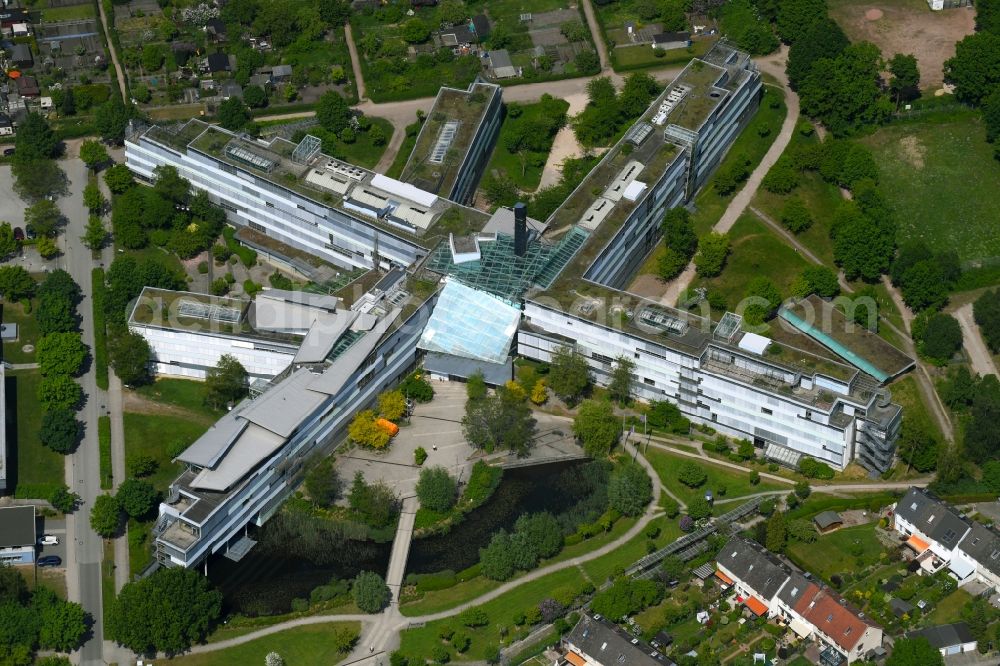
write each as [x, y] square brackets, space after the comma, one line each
[178, 353]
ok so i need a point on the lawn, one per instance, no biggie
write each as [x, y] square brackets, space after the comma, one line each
[737, 483]
[643, 55]
[184, 393]
[949, 609]
[524, 168]
[849, 549]
[940, 177]
[420, 641]
[38, 468]
[906, 394]
[440, 600]
[301, 646]
[27, 333]
[71, 13]
[399, 162]
[169, 415]
[756, 250]
[363, 151]
[749, 145]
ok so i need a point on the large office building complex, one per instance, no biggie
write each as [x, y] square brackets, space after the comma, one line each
[241, 470]
[789, 402]
[542, 285]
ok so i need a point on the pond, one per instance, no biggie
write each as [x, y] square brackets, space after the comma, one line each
[554, 487]
[296, 553]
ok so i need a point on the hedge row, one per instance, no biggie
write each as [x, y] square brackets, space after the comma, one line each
[104, 440]
[100, 328]
[246, 255]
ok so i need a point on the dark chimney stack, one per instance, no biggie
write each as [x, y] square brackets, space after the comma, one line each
[520, 229]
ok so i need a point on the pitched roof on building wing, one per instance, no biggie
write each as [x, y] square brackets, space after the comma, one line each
[831, 615]
[932, 516]
[754, 566]
[945, 635]
[982, 544]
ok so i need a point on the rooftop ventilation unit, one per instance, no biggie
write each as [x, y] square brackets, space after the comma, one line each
[445, 137]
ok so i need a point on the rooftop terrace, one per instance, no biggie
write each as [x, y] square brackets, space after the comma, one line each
[446, 137]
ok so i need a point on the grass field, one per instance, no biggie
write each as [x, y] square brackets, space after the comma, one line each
[36, 464]
[363, 152]
[820, 197]
[756, 250]
[172, 414]
[941, 178]
[906, 394]
[949, 609]
[439, 600]
[750, 145]
[71, 13]
[737, 483]
[528, 174]
[834, 553]
[402, 156]
[501, 611]
[27, 333]
[303, 646]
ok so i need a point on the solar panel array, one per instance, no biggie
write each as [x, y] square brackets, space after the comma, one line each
[445, 137]
[209, 311]
[244, 156]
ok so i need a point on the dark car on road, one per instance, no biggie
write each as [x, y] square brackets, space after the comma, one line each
[8, 152]
[49, 561]
[18, 233]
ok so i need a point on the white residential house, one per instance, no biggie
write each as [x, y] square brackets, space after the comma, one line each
[931, 527]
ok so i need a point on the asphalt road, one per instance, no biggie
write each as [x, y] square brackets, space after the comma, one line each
[84, 547]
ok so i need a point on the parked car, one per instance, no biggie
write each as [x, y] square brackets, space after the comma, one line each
[18, 234]
[8, 152]
[49, 561]
[48, 540]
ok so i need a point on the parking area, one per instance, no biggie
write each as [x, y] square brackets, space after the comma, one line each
[57, 528]
[11, 206]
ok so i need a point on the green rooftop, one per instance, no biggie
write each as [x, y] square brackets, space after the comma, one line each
[446, 137]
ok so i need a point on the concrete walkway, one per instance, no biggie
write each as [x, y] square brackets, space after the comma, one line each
[119, 72]
[359, 77]
[736, 207]
[595, 33]
[380, 633]
[924, 383]
[401, 547]
[975, 347]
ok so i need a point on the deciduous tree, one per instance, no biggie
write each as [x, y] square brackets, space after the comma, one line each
[596, 427]
[226, 383]
[691, 474]
[167, 611]
[498, 422]
[60, 430]
[569, 374]
[129, 355]
[61, 354]
[93, 153]
[712, 252]
[370, 592]
[106, 516]
[136, 497]
[436, 489]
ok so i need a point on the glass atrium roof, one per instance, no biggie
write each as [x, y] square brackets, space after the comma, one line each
[501, 272]
[470, 323]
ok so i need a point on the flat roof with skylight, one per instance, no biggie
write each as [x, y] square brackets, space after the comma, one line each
[446, 137]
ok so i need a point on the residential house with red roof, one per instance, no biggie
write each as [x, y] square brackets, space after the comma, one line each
[768, 586]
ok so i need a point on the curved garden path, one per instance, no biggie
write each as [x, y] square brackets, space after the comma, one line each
[775, 66]
[380, 633]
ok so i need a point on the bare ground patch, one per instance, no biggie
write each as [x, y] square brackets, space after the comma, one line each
[907, 26]
[138, 404]
[913, 151]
